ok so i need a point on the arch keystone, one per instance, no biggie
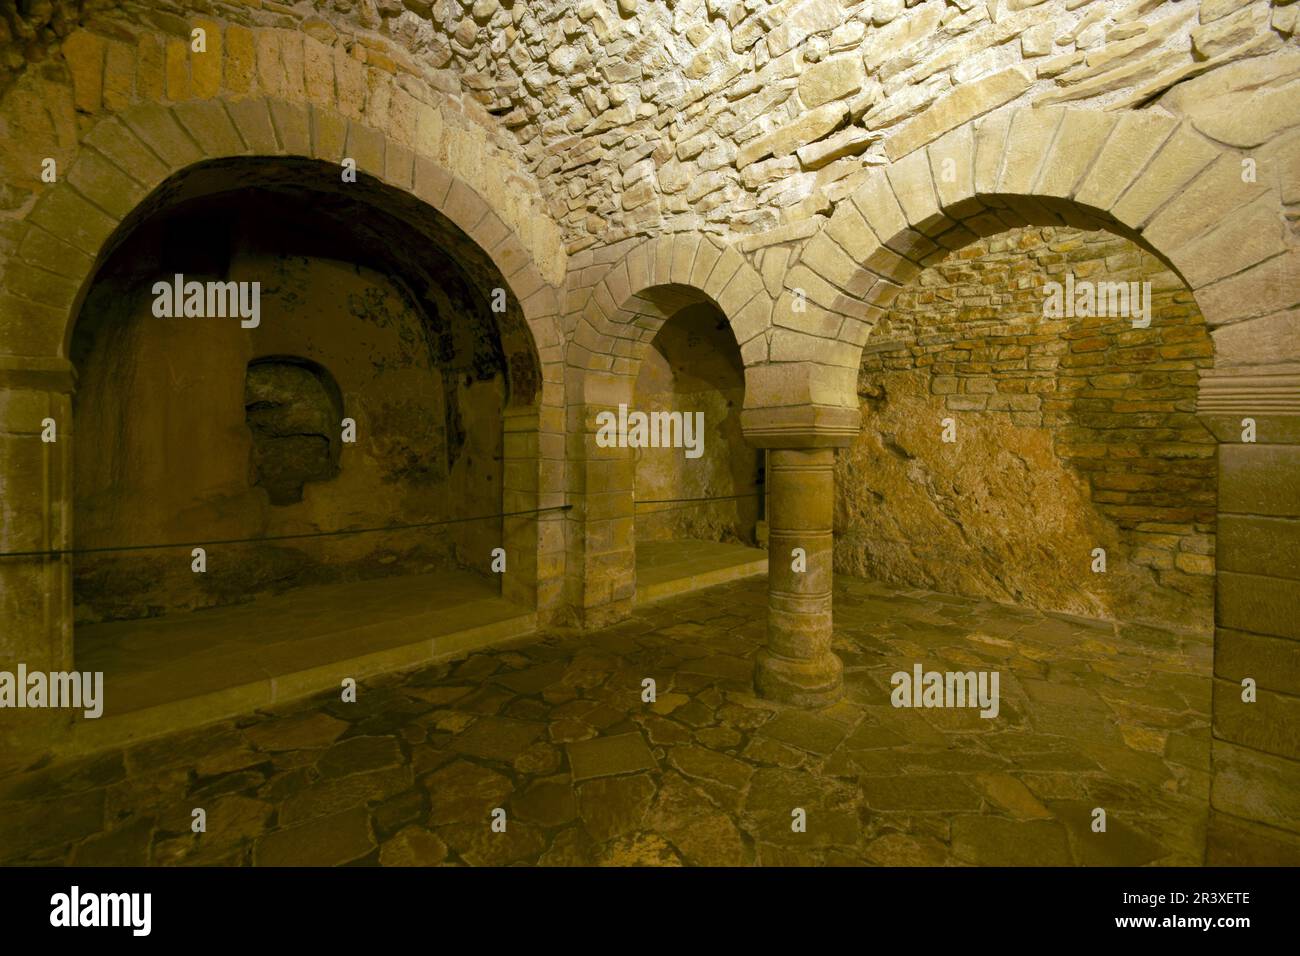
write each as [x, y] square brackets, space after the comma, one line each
[683, 257]
[990, 137]
[252, 119]
[707, 255]
[729, 265]
[209, 125]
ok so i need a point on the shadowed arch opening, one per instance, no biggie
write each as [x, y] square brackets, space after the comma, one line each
[1062, 339]
[639, 319]
[1028, 269]
[694, 485]
[1184, 198]
[1069, 433]
[382, 225]
[322, 436]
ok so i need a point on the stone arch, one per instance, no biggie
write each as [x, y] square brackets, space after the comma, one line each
[637, 294]
[158, 106]
[127, 157]
[1157, 181]
[124, 158]
[422, 230]
[1141, 175]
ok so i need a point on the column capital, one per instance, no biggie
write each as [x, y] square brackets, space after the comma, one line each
[1269, 394]
[801, 426]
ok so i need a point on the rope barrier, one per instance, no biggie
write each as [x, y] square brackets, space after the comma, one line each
[693, 501]
[752, 493]
[277, 537]
[343, 532]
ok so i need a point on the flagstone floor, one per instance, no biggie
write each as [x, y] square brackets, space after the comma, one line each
[554, 732]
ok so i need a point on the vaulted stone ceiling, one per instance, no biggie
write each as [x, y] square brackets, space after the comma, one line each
[735, 116]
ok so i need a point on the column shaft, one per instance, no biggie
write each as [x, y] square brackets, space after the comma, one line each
[35, 592]
[797, 666]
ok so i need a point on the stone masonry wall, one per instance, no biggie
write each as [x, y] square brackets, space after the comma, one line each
[1072, 434]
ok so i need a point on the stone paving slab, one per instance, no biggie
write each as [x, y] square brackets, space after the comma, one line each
[553, 732]
[607, 756]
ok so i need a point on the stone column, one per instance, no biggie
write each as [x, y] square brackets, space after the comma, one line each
[600, 565]
[1255, 759]
[520, 493]
[797, 666]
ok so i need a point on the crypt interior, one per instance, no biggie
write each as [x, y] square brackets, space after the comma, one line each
[367, 584]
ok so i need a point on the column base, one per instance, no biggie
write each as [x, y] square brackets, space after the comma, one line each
[816, 682]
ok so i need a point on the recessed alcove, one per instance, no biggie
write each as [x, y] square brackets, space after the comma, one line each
[334, 445]
[294, 413]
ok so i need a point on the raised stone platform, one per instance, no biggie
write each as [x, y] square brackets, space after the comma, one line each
[171, 673]
[671, 568]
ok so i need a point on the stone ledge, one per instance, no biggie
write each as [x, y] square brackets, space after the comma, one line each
[1270, 394]
[39, 374]
[1271, 427]
[272, 689]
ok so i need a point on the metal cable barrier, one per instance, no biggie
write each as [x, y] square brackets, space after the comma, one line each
[680, 503]
[755, 492]
[281, 537]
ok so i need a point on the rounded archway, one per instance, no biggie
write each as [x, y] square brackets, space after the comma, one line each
[697, 482]
[623, 312]
[1185, 200]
